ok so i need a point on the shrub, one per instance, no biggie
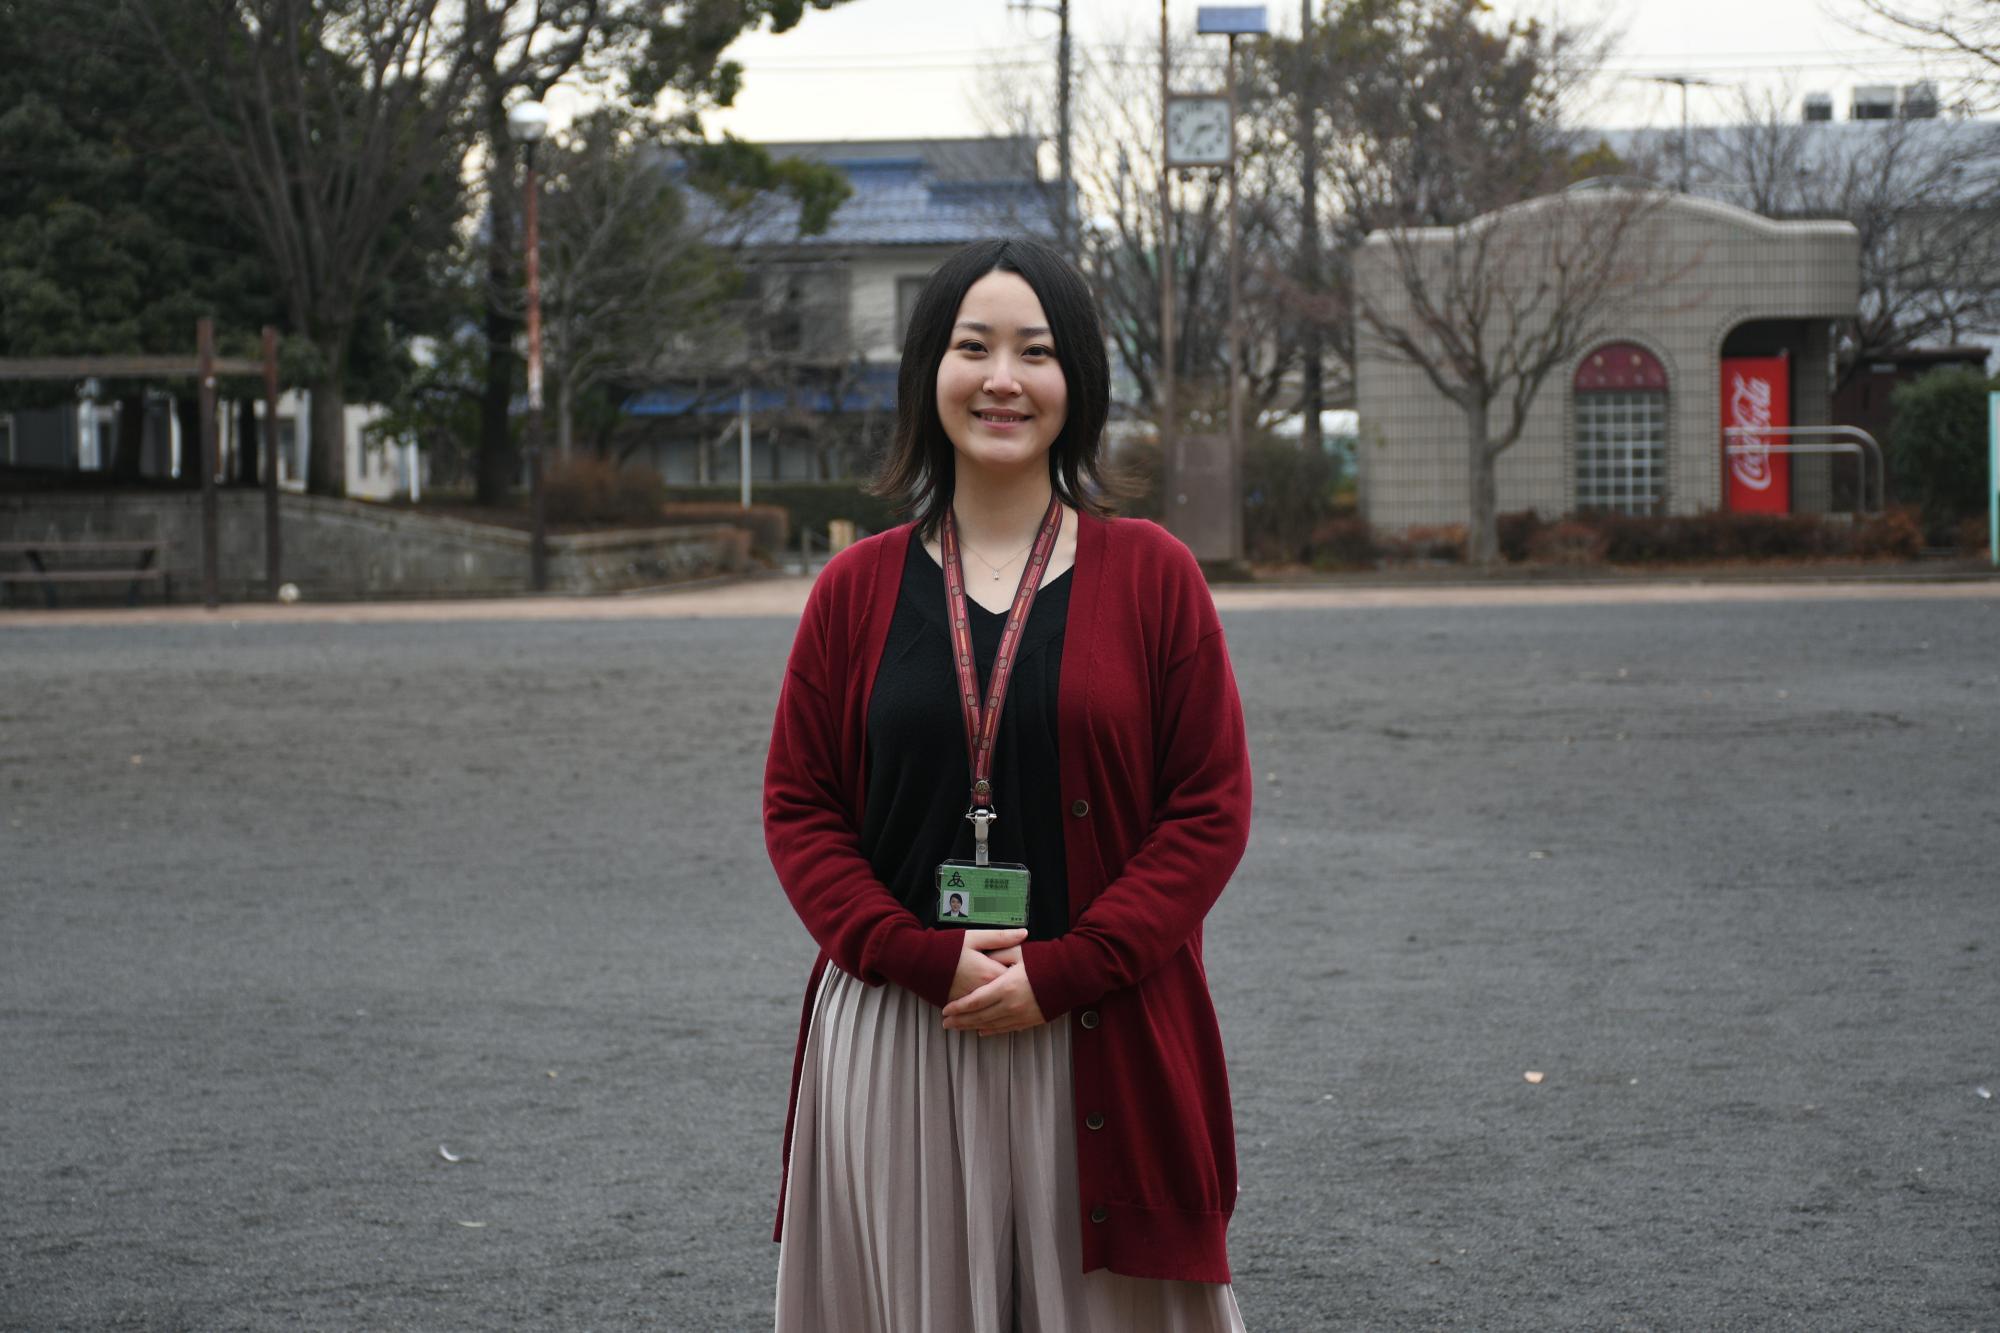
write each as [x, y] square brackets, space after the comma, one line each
[1516, 532]
[1569, 542]
[1135, 477]
[583, 488]
[1937, 444]
[1805, 535]
[768, 525]
[1446, 543]
[1287, 493]
[1632, 541]
[1345, 542]
[1768, 536]
[1892, 534]
[1970, 537]
[811, 504]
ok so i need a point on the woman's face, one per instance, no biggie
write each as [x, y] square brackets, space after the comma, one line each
[1000, 391]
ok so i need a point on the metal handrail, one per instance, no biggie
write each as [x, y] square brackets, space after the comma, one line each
[1853, 441]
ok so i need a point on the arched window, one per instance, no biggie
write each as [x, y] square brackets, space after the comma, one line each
[1621, 431]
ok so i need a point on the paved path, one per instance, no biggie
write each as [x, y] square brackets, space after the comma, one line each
[288, 910]
[786, 596]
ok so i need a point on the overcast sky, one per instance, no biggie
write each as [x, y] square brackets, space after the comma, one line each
[878, 69]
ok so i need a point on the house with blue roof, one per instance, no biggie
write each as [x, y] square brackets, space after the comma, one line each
[817, 375]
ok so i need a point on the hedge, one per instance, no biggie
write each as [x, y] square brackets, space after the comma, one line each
[1937, 446]
[812, 504]
[1617, 539]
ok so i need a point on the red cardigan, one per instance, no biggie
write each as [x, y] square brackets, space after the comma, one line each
[1156, 778]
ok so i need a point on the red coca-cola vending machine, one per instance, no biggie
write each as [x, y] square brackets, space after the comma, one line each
[1756, 393]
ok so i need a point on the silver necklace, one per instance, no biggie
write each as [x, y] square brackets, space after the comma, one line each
[1003, 565]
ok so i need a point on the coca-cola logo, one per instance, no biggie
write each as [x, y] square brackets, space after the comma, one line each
[1750, 406]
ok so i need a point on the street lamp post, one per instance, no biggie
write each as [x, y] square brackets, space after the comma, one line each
[528, 122]
[1683, 81]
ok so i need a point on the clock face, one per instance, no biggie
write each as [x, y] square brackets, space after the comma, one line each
[1198, 132]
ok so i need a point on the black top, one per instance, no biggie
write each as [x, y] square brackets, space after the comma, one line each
[919, 777]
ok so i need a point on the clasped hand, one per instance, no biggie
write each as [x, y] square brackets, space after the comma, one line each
[990, 994]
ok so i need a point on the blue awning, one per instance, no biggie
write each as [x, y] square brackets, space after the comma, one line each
[873, 390]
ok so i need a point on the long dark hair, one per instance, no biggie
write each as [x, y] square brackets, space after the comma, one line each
[920, 469]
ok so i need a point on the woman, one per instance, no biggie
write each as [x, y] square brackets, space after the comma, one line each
[1021, 1122]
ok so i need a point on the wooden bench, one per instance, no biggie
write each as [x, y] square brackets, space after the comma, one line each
[139, 564]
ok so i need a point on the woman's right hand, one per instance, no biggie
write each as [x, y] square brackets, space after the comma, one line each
[976, 965]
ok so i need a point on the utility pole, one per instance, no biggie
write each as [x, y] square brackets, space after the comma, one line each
[206, 451]
[1169, 461]
[1069, 238]
[1313, 398]
[1235, 295]
[273, 542]
[528, 122]
[1066, 232]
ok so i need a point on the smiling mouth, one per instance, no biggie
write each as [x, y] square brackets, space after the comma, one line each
[1000, 418]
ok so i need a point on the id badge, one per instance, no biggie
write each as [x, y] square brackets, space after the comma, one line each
[974, 895]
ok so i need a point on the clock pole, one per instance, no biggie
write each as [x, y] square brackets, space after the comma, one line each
[1235, 520]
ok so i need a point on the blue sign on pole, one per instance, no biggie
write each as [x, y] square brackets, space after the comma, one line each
[1231, 20]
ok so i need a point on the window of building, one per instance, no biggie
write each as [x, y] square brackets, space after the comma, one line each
[907, 289]
[1621, 431]
[797, 308]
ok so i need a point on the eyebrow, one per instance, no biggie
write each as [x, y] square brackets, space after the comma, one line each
[1025, 331]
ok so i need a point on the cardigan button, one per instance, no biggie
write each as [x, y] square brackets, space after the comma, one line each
[1093, 1121]
[1088, 1018]
[1099, 1215]
[1079, 807]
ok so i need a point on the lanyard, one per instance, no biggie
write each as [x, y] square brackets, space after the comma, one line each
[982, 723]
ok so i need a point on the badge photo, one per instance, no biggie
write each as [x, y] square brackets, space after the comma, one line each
[988, 895]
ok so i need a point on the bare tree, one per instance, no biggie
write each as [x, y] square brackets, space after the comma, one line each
[1421, 113]
[338, 125]
[1489, 309]
[1116, 169]
[643, 50]
[1964, 30]
[1924, 195]
[630, 281]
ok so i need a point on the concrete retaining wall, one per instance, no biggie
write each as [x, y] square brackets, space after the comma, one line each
[337, 550]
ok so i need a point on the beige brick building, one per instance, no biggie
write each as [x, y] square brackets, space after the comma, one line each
[1633, 421]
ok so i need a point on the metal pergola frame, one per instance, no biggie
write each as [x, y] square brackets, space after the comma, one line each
[204, 367]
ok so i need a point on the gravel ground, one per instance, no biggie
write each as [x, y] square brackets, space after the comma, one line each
[288, 908]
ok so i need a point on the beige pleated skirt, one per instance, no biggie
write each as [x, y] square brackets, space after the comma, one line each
[932, 1186]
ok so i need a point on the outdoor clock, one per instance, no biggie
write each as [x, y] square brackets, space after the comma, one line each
[1198, 131]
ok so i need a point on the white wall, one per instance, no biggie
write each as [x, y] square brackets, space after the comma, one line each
[872, 295]
[381, 471]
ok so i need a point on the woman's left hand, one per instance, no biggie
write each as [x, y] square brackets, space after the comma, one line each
[1004, 1004]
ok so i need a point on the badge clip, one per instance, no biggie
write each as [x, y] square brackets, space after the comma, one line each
[980, 816]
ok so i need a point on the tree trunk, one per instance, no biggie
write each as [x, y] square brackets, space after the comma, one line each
[1483, 535]
[326, 465]
[498, 466]
[125, 458]
[248, 441]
